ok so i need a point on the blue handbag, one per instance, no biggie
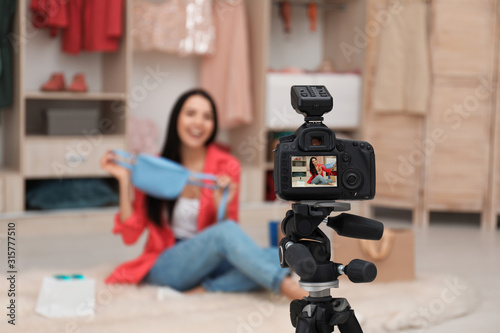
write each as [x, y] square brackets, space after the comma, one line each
[165, 179]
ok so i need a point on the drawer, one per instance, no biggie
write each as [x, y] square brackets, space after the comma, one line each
[299, 169]
[67, 157]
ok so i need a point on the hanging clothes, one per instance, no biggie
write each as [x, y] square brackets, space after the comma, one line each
[402, 81]
[176, 26]
[87, 25]
[94, 25]
[51, 14]
[226, 74]
[7, 10]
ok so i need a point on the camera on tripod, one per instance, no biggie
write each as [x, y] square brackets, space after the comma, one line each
[346, 167]
[313, 169]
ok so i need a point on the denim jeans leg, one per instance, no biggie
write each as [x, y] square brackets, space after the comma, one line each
[320, 180]
[231, 279]
[189, 263]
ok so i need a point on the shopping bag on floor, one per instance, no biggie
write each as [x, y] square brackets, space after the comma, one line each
[66, 298]
[394, 254]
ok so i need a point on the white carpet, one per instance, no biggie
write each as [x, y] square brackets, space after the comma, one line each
[388, 307]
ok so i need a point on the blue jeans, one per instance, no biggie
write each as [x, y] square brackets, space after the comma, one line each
[221, 258]
[320, 180]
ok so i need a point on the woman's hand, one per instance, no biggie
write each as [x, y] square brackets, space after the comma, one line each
[117, 171]
[223, 182]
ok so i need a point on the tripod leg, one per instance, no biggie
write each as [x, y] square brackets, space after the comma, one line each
[305, 324]
[351, 325]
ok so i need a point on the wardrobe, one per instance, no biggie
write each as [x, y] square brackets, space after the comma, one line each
[444, 159]
[30, 154]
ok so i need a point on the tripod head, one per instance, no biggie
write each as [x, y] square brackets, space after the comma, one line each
[306, 249]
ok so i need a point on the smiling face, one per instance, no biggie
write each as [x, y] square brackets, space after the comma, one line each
[315, 162]
[196, 122]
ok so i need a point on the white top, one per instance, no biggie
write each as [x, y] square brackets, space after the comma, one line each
[185, 217]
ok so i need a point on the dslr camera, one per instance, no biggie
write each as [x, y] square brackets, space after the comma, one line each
[313, 168]
[313, 164]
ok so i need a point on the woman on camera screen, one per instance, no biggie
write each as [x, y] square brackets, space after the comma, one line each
[186, 248]
[317, 173]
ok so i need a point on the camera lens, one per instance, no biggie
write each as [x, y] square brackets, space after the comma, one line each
[352, 179]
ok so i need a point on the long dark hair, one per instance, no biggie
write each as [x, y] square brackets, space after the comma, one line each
[171, 150]
[312, 167]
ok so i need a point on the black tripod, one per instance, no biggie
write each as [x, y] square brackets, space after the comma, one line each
[306, 249]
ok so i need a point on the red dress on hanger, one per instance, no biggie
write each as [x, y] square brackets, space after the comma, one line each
[94, 25]
[90, 25]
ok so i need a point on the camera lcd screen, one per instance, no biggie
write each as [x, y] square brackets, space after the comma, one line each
[314, 171]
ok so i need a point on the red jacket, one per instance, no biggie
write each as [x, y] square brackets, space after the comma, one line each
[217, 162]
[52, 14]
[90, 25]
[322, 167]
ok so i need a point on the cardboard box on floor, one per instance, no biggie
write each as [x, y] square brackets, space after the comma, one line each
[394, 254]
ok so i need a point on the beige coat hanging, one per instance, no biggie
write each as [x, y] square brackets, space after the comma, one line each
[402, 78]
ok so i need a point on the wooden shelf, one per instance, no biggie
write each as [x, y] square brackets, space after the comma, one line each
[58, 138]
[8, 171]
[67, 156]
[69, 96]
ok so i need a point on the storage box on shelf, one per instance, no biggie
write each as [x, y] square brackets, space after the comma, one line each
[393, 255]
[29, 149]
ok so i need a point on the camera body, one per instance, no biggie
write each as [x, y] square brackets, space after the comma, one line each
[313, 164]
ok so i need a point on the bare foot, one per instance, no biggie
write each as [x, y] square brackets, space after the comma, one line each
[291, 289]
[196, 290]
